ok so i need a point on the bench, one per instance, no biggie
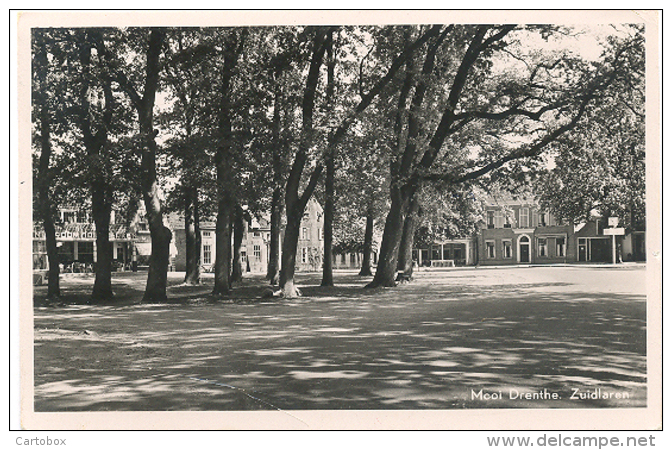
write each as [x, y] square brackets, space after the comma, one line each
[443, 263]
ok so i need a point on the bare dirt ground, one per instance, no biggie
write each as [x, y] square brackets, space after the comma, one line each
[435, 343]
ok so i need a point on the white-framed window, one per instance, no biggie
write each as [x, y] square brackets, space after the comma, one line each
[257, 252]
[499, 219]
[490, 249]
[507, 252]
[207, 254]
[560, 246]
[207, 234]
[542, 247]
[524, 217]
[304, 255]
[304, 233]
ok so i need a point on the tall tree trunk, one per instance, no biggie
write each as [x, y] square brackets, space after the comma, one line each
[402, 169]
[368, 244]
[273, 273]
[238, 231]
[97, 149]
[157, 276]
[44, 206]
[327, 270]
[192, 233]
[101, 209]
[225, 172]
[223, 240]
[389, 248]
[330, 163]
[273, 270]
[295, 203]
[289, 247]
[405, 263]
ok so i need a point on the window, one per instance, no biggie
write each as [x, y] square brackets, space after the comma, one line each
[491, 219]
[560, 246]
[304, 233]
[507, 221]
[69, 216]
[499, 219]
[243, 255]
[542, 247]
[85, 251]
[543, 219]
[490, 249]
[206, 234]
[320, 234]
[304, 255]
[524, 217]
[506, 250]
[257, 252]
[207, 254]
[257, 234]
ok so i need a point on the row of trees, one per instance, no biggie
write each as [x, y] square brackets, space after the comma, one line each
[375, 121]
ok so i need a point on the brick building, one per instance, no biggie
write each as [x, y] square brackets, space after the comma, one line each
[516, 231]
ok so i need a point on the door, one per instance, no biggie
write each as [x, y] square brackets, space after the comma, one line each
[525, 253]
[524, 248]
[583, 250]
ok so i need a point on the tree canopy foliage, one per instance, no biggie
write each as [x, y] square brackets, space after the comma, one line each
[403, 122]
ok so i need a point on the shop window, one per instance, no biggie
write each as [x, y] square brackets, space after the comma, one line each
[560, 246]
[85, 251]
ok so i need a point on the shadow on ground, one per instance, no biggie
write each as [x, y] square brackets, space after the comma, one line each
[432, 344]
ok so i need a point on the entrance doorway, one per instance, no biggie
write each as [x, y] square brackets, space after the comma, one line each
[524, 249]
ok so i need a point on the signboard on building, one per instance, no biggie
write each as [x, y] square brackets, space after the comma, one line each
[614, 231]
